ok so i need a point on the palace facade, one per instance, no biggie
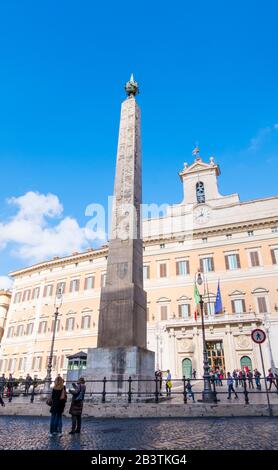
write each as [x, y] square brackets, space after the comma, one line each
[227, 240]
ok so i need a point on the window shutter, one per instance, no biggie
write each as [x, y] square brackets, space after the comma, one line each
[238, 260]
[227, 262]
[163, 312]
[82, 322]
[273, 256]
[86, 283]
[187, 267]
[40, 327]
[71, 286]
[201, 265]
[243, 306]
[67, 324]
[180, 311]
[162, 270]
[212, 264]
[262, 304]
[33, 363]
[189, 310]
[77, 285]
[177, 268]
[233, 306]
[44, 291]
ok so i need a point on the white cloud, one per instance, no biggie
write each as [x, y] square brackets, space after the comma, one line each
[258, 141]
[38, 230]
[5, 282]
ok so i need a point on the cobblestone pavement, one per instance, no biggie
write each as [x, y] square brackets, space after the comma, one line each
[144, 434]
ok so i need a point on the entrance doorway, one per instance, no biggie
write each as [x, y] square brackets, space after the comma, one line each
[216, 355]
[187, 368]
[246, 363]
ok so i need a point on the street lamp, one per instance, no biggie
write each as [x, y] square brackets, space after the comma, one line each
[208, 394]
[267, 328]
[58, 304]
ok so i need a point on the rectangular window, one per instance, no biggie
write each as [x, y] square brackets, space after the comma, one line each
[57, 325]
[229, 236]
[30, 328]
[19, 330]
[74, 285]
[163, 312]
[163, 270]
[48, 290]
[61, 288]
[182, 267]
[36, 293]
[146, 272]
[162, 245]
[26, 295]
[184, 311]
[37, 362]
[254, 258]
[204, 239]
[10, 332]
[42, 327]
[274, 229]
[250, 233]
[70, 324]
[232, 261]
[274, 256]
[262, 304]
[206, 264]
[17, 297]
[238, 306]
[103, 280]
[86, 322]
[13, 365]
[209, 307]
[89, 283]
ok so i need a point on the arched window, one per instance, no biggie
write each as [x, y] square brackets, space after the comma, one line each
[246, 363]
[200, 192]
[187, 368]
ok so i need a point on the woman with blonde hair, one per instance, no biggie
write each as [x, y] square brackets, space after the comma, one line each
[57, 403]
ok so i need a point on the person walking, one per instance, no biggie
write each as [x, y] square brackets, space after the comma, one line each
[230, 383]
[257, 376]
[58, 403]
[235, 377]
[250, 379]
[76, 407]
[10, 387]
[189, 390]
[270, 379]
[28, 381]
[168, 383]
[194, 374]
[158, 376]
[2, 386]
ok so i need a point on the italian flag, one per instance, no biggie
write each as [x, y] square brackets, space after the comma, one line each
[197, 300]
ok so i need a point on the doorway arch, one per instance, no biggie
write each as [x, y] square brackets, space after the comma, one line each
[245, 362]
[187, 368]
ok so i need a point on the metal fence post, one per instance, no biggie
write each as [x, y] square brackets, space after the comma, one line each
[184, 390]
[245, 392]
[156, 390]
[129, 389]
[104, 390]
[215, 392]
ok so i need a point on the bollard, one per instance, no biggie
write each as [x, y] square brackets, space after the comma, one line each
[156, 390]
[104, 390]
[245, 392]
[129, 389]
[32, 395]
[184, 390]
[214, 392]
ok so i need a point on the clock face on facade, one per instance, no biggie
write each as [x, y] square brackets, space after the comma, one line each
[202, 215]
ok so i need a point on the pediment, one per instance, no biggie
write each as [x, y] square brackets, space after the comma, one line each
[237, 292]
[198, 167]
[164, 299]
[183, 298]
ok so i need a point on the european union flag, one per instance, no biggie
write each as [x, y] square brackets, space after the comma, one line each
[218, 302]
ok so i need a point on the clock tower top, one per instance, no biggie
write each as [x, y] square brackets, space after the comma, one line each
[200, 183]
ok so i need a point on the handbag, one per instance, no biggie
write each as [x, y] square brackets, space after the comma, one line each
[49, 401]
[63, 395]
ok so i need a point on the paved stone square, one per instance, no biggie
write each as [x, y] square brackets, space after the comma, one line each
[142, 434]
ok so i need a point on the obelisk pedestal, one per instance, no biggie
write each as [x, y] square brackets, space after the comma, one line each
[122, 333]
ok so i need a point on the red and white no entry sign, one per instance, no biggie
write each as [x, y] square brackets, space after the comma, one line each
[258, 336]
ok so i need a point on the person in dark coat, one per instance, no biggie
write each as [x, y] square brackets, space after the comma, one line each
[58, 399]
[76, 407]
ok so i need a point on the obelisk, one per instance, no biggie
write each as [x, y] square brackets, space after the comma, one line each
[122, 331]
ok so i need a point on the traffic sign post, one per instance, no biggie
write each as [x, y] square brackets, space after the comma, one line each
[259, 336]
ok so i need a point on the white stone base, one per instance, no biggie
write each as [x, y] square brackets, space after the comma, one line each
[118, 365]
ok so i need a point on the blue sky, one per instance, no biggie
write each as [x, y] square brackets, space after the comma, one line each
[207, 72]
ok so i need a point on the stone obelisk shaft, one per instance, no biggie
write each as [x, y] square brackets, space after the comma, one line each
[122, 317]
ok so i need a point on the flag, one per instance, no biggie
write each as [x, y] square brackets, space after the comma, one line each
[218, 302]
[195, 151]
[197, 301]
